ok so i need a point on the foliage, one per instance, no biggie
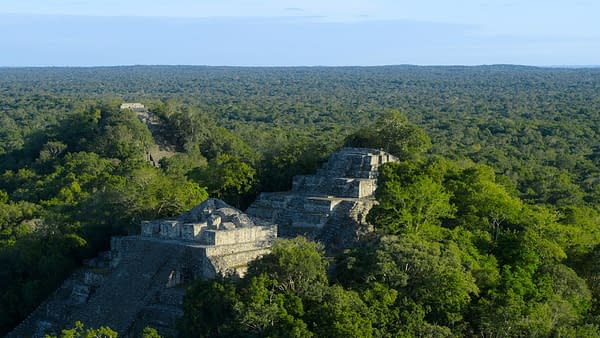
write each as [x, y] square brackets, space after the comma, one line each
[488, 226]
[493, 267]
[393, 133]
[409, 203]
[86, 181]
[295, 266]
[227, 177]
[79, 331]
[208, 309]
[284, 294]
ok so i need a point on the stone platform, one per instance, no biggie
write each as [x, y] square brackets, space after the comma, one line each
[141, 281]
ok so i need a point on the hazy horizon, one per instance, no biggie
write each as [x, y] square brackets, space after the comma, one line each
[292, 33]
[308, 66]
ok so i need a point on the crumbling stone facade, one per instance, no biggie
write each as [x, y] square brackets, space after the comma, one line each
[330, 206]
[139, 281]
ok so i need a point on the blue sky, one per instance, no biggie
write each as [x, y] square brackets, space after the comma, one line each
[309, 32]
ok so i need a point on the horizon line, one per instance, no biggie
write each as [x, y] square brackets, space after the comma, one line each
[567, 66]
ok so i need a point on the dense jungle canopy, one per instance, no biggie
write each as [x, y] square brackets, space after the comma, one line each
[488, 226]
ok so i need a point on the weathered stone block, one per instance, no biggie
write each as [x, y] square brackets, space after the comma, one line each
[243, 235]
[214, 222]
[191, 231]
[80, 294]
[41, 328]
[175, 278]
[227, 226]
[170, 229]
[207, 237]
[150, 228]
[367, 188]
[93, 279]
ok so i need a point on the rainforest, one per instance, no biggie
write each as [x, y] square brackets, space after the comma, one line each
[488, 225]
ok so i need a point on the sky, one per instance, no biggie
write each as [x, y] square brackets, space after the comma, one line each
[298, 33]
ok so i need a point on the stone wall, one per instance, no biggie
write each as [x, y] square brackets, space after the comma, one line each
[135, 106]
[211, 223]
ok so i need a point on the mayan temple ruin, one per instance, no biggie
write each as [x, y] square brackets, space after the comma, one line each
[141, 281]
[330, 206]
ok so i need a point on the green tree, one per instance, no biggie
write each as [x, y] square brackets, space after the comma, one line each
[341, 313]
[208, 309]
[267, 311]
[51, 150]
[394, 133]
[228, 178]
[482, 204]
[79, 331]
[296, 266]
[150, 332]
[420, 203]
[148, 194]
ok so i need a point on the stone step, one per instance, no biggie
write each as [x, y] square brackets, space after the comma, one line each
[163, 317]
[334, 186]
[308, 225]
[172, 296]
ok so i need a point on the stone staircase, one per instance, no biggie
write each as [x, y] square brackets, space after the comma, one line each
[138, 277]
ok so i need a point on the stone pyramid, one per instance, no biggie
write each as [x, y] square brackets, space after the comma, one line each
[330, 206]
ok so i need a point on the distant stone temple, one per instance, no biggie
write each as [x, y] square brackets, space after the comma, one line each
[138, 283]
[135, 106]
[330, 206]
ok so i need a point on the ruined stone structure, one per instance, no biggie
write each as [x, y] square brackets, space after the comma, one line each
[330, 206]
[161, 148]
[139, 282]
[135, 106]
